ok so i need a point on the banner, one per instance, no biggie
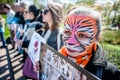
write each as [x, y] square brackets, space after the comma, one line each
[55, 66]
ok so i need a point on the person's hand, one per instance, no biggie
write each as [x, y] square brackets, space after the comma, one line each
[21, 31]
[37, 66]
[19, 42]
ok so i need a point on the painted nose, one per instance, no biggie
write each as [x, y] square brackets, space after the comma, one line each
[72, 40]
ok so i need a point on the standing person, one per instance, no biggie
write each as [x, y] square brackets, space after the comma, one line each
[19, 22]
[81, 34]
[53, 16]
[2, 30]
[19, 14]
[30, 17]
[19, 10]
[10, 15]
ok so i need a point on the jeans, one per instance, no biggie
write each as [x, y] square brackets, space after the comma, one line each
[2, 38]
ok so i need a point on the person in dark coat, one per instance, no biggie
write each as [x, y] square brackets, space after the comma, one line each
[53, 16]
[80, 35]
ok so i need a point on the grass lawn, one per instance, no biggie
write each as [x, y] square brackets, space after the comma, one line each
[113, 53]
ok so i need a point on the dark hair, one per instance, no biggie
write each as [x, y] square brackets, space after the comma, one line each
[34, 10]
[39, 17]
[7, 6]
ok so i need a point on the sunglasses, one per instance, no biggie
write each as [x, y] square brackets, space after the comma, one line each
[45, 11]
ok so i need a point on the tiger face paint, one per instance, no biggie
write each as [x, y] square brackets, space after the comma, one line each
[79, 35]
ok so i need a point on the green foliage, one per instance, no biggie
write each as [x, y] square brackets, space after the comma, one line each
[86, 2]
[116, 8]
[7, 1]
[3, 1]
[113, 53]
[67, 7]
[38, 4]
[110, 41]
[111, 36]
[7, 33]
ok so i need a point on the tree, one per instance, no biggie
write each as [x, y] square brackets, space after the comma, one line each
[116, 7]
[86, 2]
[6, 1]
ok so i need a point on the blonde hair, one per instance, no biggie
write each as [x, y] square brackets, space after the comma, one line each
[57, 14]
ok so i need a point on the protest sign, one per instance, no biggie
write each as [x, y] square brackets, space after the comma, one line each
[55, 66]
[34, 47]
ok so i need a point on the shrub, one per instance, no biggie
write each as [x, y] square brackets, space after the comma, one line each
[110, 41]
[7, 33]
[112, 53]
[111, 36]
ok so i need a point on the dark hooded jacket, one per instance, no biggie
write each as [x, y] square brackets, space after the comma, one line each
[99, 66]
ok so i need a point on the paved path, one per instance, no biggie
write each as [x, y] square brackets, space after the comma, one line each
[10, 67]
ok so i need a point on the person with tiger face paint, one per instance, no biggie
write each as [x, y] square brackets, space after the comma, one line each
[80, 35]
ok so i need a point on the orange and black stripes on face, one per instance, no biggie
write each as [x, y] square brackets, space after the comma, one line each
[79, 30]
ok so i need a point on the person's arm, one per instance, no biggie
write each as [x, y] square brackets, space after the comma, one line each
[10, 18]
[23, 44]
[3, 22]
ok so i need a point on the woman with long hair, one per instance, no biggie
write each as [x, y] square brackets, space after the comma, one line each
[53, 16]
